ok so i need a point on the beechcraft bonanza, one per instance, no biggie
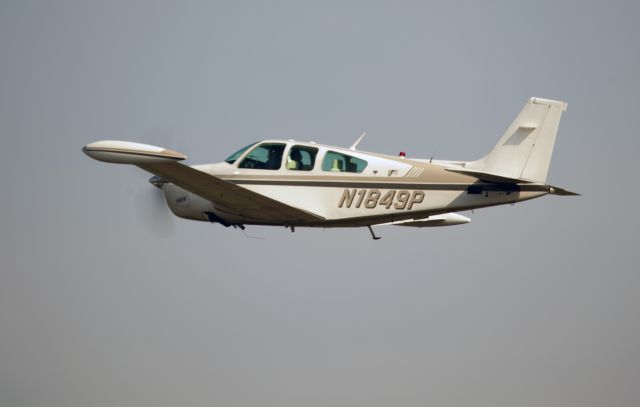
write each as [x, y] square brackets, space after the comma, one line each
[303, 184]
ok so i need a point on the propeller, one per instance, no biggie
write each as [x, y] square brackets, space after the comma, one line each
[152, 208]
[153, 211]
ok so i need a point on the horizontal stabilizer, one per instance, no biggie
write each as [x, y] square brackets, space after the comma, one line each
[562, 192]
[486, 176]
[445, 219]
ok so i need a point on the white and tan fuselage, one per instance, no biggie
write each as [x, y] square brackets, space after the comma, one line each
[390, 189]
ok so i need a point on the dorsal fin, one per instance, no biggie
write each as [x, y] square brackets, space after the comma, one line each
[354, 145]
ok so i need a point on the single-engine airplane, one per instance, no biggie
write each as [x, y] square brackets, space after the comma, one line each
[303, 184]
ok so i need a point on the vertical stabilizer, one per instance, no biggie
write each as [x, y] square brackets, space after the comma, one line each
[524, 151]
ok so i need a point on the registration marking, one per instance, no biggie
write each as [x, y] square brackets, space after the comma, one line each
[372, 198]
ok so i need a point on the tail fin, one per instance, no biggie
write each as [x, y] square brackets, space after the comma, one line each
[524, 151]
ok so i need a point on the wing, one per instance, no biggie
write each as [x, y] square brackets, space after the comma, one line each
[230, 196]
[165, 163]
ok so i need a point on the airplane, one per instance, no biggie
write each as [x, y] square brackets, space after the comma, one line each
[304, 184]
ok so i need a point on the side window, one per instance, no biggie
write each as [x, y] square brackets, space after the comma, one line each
[266, 156]
[337, 162]
[301, 158]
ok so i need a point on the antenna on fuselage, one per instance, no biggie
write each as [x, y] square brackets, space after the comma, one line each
[354, 145]
[436, 150]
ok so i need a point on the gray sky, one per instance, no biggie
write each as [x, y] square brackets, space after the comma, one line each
[535, 304]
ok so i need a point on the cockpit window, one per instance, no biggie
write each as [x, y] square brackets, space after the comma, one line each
[301, 158]
[337, 162]
[233, 157]
[267, 156]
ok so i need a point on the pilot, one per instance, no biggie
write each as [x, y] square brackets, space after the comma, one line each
[275, 156]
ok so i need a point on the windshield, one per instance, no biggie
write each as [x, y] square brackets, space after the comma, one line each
[233, 157]
[267, 156]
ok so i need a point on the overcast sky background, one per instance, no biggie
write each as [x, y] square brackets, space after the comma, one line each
[528, 305]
